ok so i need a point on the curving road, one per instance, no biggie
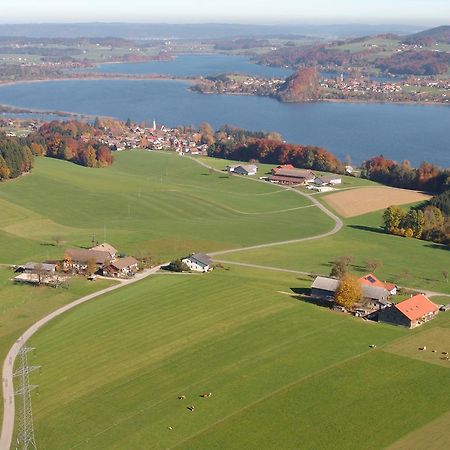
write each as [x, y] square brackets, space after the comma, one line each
[338, 224]
[8, 364]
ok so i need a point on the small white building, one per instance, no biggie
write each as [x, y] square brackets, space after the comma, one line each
[198, 262]
[328, 180]
[246, 169]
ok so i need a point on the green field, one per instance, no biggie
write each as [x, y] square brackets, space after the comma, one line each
[156, 202]
[407, 262]
[21, 306]
[283, 373]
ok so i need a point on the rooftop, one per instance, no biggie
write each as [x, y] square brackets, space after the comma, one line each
[416, 307]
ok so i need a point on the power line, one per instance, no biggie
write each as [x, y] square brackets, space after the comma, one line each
[25, 436]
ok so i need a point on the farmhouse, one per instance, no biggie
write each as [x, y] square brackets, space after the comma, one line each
[106, 248]
[247, 169]
[372, 280]
[324, 288]
[375, 297]
[198, 262]
[410, 313]
[282, 167]
[328, 180]
[122, 267]
[79, 258]
[292, 176]
[33, 267]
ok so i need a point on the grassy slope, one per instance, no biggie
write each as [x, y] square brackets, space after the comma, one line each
[363, 239]
[281, 371]
[21, 306]
[158, 201]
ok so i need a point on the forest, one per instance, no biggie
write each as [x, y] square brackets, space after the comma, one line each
[72, 141]
[16, 157]
[427, 177]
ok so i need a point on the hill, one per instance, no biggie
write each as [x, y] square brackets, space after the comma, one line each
[428, 37]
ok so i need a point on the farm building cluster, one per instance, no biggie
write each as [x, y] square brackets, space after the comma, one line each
[288, 175]
[100, 259]
[377, 302]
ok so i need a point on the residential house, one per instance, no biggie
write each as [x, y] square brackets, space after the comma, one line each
[328, 180]
[246, 169]
[371, 280]
[324, 288]
[198, 262]
[292, 176]
[121, 267]
[79, 258]
[410, 313]
[106, 248]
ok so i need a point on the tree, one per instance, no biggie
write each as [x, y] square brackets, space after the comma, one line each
[392, 219]
[40, 272]
[57, 239]
[340, 266]
[178, 266]
[349, 291]
[445, 275]
[373, 264]
[207, 133]
[91, 267]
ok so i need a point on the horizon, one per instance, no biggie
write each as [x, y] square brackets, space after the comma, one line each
[289, 12]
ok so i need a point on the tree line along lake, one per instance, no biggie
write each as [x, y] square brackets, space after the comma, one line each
[361, 130]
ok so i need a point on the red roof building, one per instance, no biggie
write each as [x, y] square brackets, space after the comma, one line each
[282, 167]
[372, 280]
[411, 313]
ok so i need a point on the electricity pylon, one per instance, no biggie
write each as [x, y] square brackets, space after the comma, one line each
[25, 436]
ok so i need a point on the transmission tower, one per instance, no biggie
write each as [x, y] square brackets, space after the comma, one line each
[25, 437]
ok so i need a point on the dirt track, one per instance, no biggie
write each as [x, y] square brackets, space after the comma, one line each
[355, 202]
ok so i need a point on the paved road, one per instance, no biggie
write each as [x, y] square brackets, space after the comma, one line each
[338, 224]
[299, 272]
[8, 365]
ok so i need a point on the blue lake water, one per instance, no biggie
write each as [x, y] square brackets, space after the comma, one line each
[413, 132]
[196, 65]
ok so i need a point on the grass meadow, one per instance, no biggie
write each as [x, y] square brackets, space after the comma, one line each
[283, 373]
[407, 262]
[157, 202]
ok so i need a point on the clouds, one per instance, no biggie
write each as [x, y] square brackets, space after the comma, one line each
[266, 11]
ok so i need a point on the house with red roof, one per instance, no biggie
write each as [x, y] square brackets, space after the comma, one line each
[282, 167]
[410, 313]
[372, 280]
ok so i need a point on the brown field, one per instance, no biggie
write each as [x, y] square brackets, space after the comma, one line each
[354, 202]
[434, 435]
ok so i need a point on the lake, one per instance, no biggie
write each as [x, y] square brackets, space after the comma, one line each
[194, 65]
[399, 131]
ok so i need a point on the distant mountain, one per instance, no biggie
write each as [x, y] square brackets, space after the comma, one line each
[195, 31]
[431, 36]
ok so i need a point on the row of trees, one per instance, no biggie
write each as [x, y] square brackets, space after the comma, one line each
[273, 151]
[428, 223]
[16, 157]
[427, 177]
[72, 141]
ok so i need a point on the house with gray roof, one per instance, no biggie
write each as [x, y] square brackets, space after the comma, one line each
[198, 262]
[243, 169]
[324, 288]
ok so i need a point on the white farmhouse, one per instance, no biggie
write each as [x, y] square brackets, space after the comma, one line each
[198, 262]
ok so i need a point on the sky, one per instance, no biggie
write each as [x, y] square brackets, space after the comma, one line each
[420, 12]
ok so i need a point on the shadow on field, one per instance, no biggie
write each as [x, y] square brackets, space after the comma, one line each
[304, 295]
[366, 228]
[438, 246]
